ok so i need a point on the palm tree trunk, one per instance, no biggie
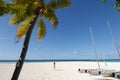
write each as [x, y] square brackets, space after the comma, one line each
[20, 62]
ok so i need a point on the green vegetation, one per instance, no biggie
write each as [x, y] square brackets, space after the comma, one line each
[116, 4]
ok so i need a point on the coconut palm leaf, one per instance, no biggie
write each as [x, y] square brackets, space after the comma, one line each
[22, 1]
[20, 13]
[116, 4]
[17, 19]
[22, 9]
[4, 8]
[56, 4]
[30, 3]
[50, 15]
[41, 30]
[23, 28]
[105, 1]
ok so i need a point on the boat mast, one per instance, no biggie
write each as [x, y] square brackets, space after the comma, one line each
[113, 38]
[94, 45]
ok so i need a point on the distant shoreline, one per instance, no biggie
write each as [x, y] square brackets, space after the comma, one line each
[65, 60]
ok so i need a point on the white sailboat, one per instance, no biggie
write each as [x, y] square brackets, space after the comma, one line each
[99, 70]
[93, 71]
[112, 73]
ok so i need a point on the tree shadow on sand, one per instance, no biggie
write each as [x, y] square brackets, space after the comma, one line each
[103, 79]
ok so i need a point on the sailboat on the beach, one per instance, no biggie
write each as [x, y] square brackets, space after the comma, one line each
[99, 70]
[112, 73]
[93, 71]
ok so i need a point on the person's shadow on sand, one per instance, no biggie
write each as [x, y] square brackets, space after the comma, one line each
[59, 70]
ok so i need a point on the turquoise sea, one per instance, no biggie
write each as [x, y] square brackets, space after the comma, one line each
[62, 60]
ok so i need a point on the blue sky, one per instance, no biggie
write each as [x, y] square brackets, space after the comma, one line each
[71, 40]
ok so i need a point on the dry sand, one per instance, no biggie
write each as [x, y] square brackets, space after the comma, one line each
[63, 71]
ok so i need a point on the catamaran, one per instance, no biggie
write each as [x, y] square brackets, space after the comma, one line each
[93, 71]
[112, 73]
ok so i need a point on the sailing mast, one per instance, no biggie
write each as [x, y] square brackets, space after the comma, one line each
[113, 38]
[94, 45]
[103, 59]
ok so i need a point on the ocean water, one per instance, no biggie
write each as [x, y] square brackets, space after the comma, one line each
[63, 60]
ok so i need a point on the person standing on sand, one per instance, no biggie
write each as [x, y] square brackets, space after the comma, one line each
[54, 65]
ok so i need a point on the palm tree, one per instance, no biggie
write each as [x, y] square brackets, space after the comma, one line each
[26, 13]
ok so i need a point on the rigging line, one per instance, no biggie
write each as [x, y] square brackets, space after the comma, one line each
[94, 45]
[103, 59]
[113, 38]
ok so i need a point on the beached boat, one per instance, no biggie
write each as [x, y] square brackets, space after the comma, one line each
[108, 73]
[84, 70]
[112, 73]
[116, 74]
[95, 71]
[92, 71]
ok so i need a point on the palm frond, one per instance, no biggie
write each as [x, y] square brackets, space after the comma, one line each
[56, 4]
[41, 30]
[50, 15]
[22, 1]
[115, 5]
[17, 19]
[31, 3]
[19, 14]
[4, 8]
[105, 1]
[23, 28]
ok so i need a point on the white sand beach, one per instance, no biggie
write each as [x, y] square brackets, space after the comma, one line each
[63, 71]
